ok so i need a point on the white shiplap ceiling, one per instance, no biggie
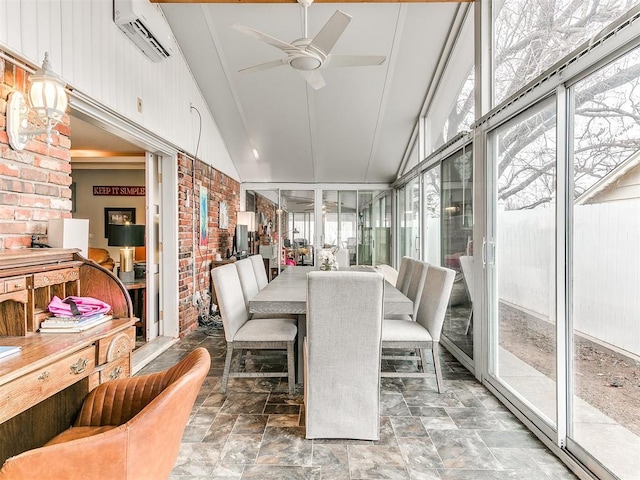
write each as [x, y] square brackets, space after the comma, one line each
[357, 128]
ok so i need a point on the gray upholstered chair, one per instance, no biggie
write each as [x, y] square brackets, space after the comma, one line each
[248, 280]
[415, 287]
[244, 334]
[390, 273]
[250, 288]
[425, 331]
[342, 257]
[466, 264]
[260, 270]
[404, 274]
[342, 354]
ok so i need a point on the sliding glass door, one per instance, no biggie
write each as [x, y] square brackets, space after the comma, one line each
[522, 294]
[604, 413]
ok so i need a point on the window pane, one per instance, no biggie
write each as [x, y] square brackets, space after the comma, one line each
[531, 35]
[606, 266]
[523, 297]
[457, 234]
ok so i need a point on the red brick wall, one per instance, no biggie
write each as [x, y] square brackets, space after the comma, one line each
[220, 188]
[35, 186]
[35, 182]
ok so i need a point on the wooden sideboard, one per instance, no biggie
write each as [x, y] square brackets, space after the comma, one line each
[42, 387]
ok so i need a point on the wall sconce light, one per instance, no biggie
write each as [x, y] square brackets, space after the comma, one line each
[48, 101]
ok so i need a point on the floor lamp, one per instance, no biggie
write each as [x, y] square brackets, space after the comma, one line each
[127, 236]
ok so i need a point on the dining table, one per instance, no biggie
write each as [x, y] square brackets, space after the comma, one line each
[287, 294]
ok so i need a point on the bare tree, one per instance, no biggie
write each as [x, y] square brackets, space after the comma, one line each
[530, 36]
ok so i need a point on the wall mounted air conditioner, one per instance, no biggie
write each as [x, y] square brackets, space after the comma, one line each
[145, 26]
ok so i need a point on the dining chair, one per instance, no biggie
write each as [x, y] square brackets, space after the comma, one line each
[342, 354]
[415, 287]
[342, 257]
[260, 270]
[390, 273]
[466, 264]
[404, 274]
[249, 283]
[425, 332]
[241, 333]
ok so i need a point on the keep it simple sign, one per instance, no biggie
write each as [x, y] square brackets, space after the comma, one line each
[119, 190]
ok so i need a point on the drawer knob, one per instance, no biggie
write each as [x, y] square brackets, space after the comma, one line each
[80, 366]
[44, 376]
[115, 373]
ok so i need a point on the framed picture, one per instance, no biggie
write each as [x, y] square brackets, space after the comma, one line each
[118, 216]
[204, 216]
[223, 221]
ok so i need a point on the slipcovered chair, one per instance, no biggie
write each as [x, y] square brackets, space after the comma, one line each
[466, 264]
[415, 287]
[342, 257]
[244, 334]
[342, 354]
[250, 288]
[425, 331]
[390, 273]
[127, 429]
[248, 282]
[404, 274]
[260, 271]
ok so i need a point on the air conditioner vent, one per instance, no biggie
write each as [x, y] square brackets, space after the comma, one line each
[145, 26]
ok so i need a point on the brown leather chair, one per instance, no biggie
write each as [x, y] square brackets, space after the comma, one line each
[101, 257]
[127, 429]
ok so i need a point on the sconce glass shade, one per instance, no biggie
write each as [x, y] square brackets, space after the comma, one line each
[48, 101]
[46, 95]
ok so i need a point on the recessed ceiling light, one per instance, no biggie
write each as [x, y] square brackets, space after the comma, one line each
[255, 154]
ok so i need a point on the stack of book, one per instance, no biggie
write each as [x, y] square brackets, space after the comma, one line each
[72, 324]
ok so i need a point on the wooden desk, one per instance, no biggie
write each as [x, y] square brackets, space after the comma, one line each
[287, 293]
[43, 386]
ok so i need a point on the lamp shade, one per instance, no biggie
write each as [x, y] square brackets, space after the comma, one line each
[248, 219]
[126, 235]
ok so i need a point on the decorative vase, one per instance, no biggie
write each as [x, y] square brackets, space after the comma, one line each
[328, 267]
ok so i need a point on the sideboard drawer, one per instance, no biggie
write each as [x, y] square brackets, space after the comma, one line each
[116, 346]
[55, 277]
[120, 368]
[28, 390]
[13, 284]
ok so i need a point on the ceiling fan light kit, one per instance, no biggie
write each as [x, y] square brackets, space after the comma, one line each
[309, 55]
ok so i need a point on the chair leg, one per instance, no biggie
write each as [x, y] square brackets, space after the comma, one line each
[435, 349]
[422, 361]
[227, 367]
[291, 368]
[466, 332]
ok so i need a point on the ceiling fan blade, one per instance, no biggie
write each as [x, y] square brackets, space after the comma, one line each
[263, 66]
[274, 42]
[353, 60]
[327, 37]
[314, 78]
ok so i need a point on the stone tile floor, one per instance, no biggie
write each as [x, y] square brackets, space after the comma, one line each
[256, 430]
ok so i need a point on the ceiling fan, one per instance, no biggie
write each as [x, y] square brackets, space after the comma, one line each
[309, 55]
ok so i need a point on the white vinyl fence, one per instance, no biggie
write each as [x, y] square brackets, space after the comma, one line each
[606, 268]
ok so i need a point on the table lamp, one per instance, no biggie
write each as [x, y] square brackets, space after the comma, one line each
[128, 236]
